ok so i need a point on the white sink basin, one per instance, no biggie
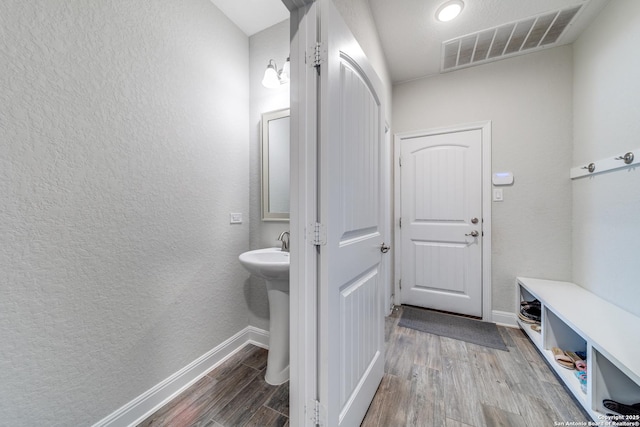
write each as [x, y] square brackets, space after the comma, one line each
[272, 264]
[269, 263]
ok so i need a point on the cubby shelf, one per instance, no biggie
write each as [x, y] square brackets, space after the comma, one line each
[575, 319]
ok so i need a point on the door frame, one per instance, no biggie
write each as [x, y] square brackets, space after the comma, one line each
[485, 128]
[303, 192]
[303, 275]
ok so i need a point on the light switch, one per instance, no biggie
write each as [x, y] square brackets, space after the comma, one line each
[235, 218]
[497, 195]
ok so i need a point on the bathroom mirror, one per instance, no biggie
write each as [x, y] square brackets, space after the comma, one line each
[275, 165]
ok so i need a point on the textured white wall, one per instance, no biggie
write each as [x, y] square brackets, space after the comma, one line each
[272, 43]
[528, 99]
[124, 146]
[606, 207]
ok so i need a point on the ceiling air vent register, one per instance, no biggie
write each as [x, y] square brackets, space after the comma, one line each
[507, 40]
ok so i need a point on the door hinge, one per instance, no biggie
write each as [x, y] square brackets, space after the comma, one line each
[400, 222]
[317, 234]
[316, 414]
[400, 161]
[317, 56]
[400, 283]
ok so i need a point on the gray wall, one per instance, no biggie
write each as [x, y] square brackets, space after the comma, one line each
[125, 145]
[272, 43]
[528, 99]
[606, 207]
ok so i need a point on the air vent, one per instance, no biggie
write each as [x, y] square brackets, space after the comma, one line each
[507, 40]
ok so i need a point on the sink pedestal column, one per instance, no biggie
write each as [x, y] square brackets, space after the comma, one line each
[278, 358]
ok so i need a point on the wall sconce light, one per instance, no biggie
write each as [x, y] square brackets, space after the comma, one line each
[274, 77]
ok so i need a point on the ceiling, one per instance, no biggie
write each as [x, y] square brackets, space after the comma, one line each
[253, 16]
[411, 37]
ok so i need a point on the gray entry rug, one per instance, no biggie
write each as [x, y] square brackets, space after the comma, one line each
[456, 327]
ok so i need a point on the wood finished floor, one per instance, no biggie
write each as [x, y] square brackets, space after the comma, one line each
[429, 381]
[233, 394]
[437, 381]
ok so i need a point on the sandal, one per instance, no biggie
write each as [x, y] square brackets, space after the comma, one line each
[530, 314]
[581, 365]
[525, 319]
[561, 358]
[534, 303]
[621, 408]
[582, 355]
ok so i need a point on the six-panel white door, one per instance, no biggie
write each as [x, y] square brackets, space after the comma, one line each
[441, 199]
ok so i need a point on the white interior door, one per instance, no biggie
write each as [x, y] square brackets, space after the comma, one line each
[351, 320]
[442, 233]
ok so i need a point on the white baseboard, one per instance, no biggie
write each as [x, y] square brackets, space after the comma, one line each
[150, 401]
[505, 318]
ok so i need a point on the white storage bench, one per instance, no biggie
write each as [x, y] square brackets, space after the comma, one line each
[574, 319]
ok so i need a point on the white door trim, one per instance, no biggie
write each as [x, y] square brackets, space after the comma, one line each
[387, 223]
[485, 128]
[303, 195]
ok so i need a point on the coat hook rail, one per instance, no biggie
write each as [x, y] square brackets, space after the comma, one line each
[610, 163]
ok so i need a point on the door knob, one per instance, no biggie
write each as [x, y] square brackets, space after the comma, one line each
[474, 233]
[384, 248]
[474, 220]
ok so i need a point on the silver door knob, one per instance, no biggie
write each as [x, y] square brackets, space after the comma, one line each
[384, 248]
[474, 233]
[474, 220]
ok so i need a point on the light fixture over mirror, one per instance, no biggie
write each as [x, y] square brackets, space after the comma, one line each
[274, 77]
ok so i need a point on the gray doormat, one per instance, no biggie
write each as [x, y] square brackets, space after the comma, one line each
[456, 327]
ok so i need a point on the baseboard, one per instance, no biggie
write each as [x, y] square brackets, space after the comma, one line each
[504, 318]
[256, 336]
[150, 401]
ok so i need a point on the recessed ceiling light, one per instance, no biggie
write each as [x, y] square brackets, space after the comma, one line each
[449, 10]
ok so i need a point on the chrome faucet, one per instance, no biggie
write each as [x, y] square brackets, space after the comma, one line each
[284, 238]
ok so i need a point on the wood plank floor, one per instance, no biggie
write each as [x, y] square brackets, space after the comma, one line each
[437, 381]
[429, 381]
[233, 394]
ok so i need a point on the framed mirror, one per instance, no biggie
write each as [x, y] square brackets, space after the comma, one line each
[275, 165]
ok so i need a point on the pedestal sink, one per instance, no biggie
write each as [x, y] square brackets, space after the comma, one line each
[272, 265]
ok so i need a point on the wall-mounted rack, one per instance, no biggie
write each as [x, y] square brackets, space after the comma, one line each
[624, 160]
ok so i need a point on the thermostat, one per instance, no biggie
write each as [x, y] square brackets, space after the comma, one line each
[502, 178]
